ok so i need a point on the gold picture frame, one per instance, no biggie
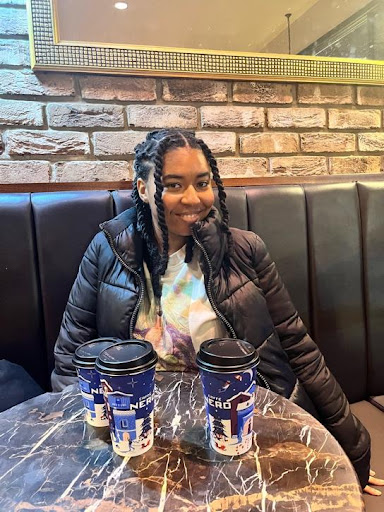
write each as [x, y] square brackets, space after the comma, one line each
[49, 54]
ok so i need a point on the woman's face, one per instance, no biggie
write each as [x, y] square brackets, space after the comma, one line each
[187, 195]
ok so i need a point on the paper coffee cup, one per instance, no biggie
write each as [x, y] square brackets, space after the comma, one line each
[89, 380]
[127, 376]
[228, 373]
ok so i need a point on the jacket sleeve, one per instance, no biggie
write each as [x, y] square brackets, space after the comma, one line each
[309, 366]
[79, 319]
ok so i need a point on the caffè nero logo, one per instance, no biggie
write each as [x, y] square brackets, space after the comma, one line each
[217, 403]
[244, 398]
[124, 401]
[143, 402]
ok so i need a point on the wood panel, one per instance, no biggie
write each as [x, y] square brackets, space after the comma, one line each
[228, 182]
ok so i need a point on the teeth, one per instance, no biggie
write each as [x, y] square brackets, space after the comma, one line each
[190, 216]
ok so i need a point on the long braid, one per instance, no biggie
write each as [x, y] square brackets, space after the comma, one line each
[144, 225]
[144, 218]
[189, 250]
[158, 161]
[220, 189]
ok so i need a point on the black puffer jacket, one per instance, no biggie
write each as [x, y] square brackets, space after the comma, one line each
[248, 296]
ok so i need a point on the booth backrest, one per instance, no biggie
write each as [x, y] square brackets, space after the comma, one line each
[327, 241]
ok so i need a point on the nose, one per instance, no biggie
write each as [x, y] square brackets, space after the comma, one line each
[190, 196]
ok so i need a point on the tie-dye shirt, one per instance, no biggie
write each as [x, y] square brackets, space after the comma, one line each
[187, 316]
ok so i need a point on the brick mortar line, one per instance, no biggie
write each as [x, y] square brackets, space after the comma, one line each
[52, 173]
[230, 85]
[295, 94]
[77, 98]
[230, 129]
[76, 86]
[355, 95]
[226, 154]
[117, 103]
[14, 6]
[261, 104]
[45, 116]
[37, 98]
[11, 67]
[196, 103]
[48, 158]
[13, 37]
[237, 145]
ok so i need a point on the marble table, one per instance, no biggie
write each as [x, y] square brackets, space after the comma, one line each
[52, 461]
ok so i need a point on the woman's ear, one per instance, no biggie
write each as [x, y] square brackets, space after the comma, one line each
[142, 190]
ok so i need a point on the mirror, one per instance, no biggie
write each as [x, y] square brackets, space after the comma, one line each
[313, 40]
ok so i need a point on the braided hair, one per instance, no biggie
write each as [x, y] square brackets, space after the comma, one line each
[149, 155]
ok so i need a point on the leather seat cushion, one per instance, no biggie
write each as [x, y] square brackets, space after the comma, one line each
[377, 401]
[373, 419]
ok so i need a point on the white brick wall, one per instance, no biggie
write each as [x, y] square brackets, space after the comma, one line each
[78, 127]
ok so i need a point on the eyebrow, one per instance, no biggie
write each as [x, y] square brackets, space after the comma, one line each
[177, 176]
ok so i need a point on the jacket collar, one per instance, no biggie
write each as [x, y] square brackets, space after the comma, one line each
[210, 234]
[127, 241]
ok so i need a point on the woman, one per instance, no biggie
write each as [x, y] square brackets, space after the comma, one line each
[171, 271]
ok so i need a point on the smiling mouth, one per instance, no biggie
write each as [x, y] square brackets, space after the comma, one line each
[190, 217]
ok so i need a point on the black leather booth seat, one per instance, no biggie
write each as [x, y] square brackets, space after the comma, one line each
[327, 241]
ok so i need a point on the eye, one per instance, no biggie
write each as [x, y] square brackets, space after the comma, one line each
[203, 184]
[173, 186]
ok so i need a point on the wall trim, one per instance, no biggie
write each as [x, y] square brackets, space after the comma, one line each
[228, 182]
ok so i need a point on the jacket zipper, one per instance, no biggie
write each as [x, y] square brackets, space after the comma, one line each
[209, 288]
[209, 291]
[141, 295]
[214, 307]
[261, 376]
